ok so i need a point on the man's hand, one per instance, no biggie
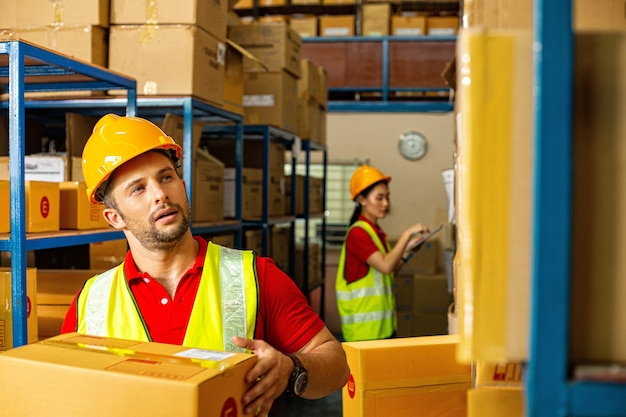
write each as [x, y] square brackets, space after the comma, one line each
[269, 376]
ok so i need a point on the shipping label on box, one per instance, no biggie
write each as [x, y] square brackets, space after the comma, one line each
[6, 310]
[49, 168]
[144, 378]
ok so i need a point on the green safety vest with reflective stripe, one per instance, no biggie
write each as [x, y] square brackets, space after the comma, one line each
[225, 305]
[366, 306]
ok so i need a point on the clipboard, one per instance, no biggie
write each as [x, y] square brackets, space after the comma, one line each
[424, 238]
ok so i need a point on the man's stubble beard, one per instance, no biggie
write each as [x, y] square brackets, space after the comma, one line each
[154, 239]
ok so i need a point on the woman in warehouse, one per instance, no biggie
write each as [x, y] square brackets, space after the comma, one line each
[365, 274]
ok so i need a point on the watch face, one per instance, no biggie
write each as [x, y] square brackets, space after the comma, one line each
[300, 383]
[412, 145]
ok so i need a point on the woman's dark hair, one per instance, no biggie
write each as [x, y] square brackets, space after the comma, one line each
[357, 206]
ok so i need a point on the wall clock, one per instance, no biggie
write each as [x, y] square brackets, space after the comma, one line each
[412, 145]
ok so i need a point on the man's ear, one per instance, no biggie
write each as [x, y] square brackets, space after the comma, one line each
[113, 218]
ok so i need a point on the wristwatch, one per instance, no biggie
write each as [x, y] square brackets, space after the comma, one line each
[299, 377]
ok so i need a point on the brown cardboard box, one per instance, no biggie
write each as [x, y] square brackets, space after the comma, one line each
[422, 293]
[146, 52]
[337, 2]
[233, 79]
[277, 45]
[314, 269]
[252, 196]
[402, 25]
[280, 241]
[375, 19]
[108, 254]
[336, 25]
[507, 374]
[209, 15]
[501, 14]
[253, 240]
[442, 25]
[56, 289]
[28, 13]
[299, 203]
[425, 260]
[5, 207]
[495, 402]
[308, 82]
[305, 2]
[78, 129]
[144, 379]
[42, 206]
[405, 376]
[85, 42]
[416, 324]
[224, 149]
[306, 25]
[6, 310]
[270, 98]
[76, 211]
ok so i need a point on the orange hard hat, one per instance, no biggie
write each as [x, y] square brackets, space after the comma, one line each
[363, 177]
[116, 140]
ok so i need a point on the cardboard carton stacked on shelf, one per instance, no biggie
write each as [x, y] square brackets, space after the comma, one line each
[6, 310]
[312, 102]
[270, 81]
[78, 28]
[143, 377]
[224, 149]
[313, 273]
[315, 194]
[171, 48]
[405, 377]
[280, 239]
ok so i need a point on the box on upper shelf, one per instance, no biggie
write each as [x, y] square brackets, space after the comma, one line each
[276, 45]
[209, 15]
[145, 52]
[28, 13]
[408, 25]
[337, 25]
[305, 25]
[375, 19]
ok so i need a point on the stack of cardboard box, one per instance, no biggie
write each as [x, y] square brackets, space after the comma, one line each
[312, 102]
[270, 80]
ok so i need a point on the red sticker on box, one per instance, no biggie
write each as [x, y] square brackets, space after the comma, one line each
[229, 409]
[44, 207]
[351, 386]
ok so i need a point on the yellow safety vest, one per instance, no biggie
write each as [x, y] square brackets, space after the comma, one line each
[366, 306]
[225, 305]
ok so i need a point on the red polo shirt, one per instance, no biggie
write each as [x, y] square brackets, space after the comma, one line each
[359, 247]
[284, 318]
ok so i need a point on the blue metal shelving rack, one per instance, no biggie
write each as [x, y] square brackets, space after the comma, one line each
[24, 68]
[550, 392]
[385, 105]
[192, 110]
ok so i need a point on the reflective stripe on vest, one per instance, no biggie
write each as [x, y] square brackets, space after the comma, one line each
[366, 306]
[223, 307]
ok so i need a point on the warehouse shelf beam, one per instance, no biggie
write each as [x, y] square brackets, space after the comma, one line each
[27, 66]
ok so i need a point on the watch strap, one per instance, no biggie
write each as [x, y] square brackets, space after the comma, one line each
[298, 368]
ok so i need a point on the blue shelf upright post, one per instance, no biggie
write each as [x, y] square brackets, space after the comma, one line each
[547, 379]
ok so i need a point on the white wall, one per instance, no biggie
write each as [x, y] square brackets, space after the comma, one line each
[417, 190]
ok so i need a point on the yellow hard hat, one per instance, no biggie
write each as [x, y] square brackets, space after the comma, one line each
[363, 177]
[116, 140]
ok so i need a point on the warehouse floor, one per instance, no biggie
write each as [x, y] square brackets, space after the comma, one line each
[329, 406]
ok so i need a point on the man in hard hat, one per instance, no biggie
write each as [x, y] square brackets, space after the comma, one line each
[367, 262]
[176, 288]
